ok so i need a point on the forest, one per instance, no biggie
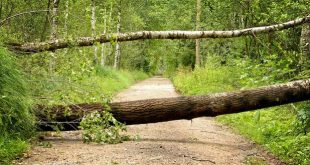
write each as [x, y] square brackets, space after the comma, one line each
[56, 54]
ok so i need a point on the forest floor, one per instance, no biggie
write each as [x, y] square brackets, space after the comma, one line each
[200, 141]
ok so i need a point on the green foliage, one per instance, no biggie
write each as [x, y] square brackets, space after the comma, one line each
[254, 160]
[70, 76]
[16, 118]
[210, 79]
[102, 127]
[97, 85]
[272, 68]
[303, 118]
[11, 148]
[275, 130]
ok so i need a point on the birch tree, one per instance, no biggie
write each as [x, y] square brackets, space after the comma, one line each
[198, 11]
[54, 26]
[66, 18]
[93, 28]
[54, 31]
[117, 45]
[102, 61]
[142, 35]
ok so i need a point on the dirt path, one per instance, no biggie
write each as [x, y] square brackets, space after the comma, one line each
[200, 141]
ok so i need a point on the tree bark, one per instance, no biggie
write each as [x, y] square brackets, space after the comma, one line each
[305, 46]
[93, 28]
[117, 45]
[54, 26]
[46, 22]
[185, 107]
[198, 10]
[1, 4]
[54, 34]
[102, 61]
[142, 35]
[66, 19]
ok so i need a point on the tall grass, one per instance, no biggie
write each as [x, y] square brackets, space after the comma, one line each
[16, 118]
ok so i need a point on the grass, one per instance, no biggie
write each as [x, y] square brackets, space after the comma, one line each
[276, 128]
[273, 128]
[11, 148]
[16, 118]
[205, 80]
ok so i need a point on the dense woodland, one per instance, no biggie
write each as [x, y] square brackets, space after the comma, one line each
[201, 66]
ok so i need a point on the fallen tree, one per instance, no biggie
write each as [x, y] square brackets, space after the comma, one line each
[185, 107]
[142, 35]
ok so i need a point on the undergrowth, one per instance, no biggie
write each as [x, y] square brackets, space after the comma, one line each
[283, 130]
[16, 118]
[46, 80]
[70, 77]
[96, 86]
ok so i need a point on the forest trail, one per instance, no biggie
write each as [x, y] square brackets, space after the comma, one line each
[200, 141]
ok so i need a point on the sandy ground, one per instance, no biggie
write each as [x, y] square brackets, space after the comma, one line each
[200, 141]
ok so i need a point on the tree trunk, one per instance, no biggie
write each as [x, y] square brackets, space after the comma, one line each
[54, 26]
[305, 46]
[102, 62]
[1, 4]
[142, 35]
[54, 33]
[185, 107]
[43, 36]
[66, 19]
[93, 28]
[198, 10]
[117, 45]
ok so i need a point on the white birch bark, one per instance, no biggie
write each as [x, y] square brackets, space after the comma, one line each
[198, 12]
[66, 19]
[117, 45]
[54, 34]
[93, 28]
[142, 35]
[102, 62]
[54, 25]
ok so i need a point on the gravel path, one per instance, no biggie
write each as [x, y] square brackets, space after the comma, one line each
[200, 141]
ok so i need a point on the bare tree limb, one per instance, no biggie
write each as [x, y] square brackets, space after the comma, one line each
[20, 14]
[142, 35]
